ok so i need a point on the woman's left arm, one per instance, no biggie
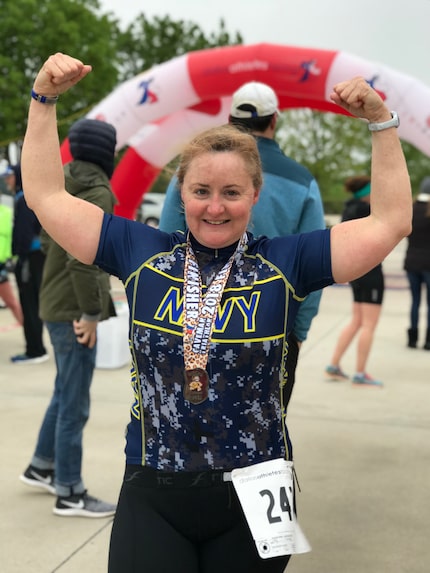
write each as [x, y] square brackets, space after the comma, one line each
[359, 245]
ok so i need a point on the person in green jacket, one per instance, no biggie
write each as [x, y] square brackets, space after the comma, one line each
[74, 297]
[6, 291]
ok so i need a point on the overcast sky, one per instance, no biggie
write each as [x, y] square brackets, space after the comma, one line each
[395, 33]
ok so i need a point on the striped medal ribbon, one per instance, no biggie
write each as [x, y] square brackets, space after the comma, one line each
[199, 319]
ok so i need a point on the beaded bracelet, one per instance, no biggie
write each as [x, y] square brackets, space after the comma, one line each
[44, 99]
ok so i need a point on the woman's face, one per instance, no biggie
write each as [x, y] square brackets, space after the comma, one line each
[218, 196]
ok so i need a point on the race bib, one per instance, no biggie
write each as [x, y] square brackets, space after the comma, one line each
[265, 492]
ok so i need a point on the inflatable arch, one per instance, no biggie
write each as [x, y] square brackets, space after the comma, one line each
[157, 111]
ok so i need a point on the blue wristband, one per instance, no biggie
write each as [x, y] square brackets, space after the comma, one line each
[44, 99]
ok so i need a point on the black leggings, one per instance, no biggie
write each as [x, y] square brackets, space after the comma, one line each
[197, 527]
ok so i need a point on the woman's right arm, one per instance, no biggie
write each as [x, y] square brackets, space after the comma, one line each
[73, 223]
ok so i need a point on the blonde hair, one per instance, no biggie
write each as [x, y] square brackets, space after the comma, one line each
[223, 139]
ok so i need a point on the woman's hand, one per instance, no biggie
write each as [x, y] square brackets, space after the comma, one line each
[358, 98]
[59, 73]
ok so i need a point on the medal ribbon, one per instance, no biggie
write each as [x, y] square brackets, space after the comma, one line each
[200, 312]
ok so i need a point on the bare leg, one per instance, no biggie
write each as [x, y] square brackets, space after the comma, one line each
[11, 301]
[347, 334]
[369, 319]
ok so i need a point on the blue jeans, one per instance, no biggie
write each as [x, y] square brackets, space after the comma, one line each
[59, 445]
[416, 280]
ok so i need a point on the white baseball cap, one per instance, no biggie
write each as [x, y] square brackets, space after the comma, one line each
[259, 97]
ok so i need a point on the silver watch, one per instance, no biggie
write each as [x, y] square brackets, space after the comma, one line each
[393, 122]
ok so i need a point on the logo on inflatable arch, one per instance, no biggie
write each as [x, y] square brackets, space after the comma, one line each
[148, 96]
[372, 83]
[310, 68]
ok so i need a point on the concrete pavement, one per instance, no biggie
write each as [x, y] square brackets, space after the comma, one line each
[362, 454]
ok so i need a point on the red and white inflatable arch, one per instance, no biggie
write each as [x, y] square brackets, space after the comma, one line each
[157, 111]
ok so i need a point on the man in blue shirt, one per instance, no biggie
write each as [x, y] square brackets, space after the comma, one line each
[289, 202]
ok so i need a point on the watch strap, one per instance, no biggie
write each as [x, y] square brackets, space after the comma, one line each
[393, 122]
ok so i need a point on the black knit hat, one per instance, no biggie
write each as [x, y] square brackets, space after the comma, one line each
[94, 141]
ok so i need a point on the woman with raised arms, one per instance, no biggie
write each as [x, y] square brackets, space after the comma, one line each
[210, 311]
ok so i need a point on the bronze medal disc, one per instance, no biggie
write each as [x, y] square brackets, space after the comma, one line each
[196, 387]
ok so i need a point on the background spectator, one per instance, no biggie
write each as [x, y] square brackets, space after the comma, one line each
[417, 262]
[6, 292]
[74, 297]
[368, 293]
[28, 271]
[289, 203]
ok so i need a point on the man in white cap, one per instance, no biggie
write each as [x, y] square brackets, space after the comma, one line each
[289, 202]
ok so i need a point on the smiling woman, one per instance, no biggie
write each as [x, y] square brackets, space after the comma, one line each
[210, 315]
[220, 178]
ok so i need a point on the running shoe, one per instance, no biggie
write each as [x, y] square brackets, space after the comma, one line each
[83, 505]
[335, 373]
[365, 379]
[41, 479]
[25, 359]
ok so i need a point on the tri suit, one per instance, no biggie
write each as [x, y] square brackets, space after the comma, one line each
[243, 420]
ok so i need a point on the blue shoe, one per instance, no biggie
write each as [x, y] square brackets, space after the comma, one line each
[335, 373]
[365, 379]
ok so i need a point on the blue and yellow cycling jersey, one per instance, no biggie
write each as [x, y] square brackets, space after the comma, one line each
[242, 421]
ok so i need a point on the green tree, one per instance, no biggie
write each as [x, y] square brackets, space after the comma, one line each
[418, 165]
[333, 147]
[147, 43]
[30, 31]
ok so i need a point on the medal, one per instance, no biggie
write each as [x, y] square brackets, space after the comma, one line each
[196, 386]
[199, 319]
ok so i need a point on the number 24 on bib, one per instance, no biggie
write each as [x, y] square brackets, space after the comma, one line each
[265, 492]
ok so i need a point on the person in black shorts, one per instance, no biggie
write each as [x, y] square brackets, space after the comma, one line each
[368, 294]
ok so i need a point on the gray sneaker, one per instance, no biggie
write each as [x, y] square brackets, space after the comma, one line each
[335, 373]
[83, 505]
[41, 479]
